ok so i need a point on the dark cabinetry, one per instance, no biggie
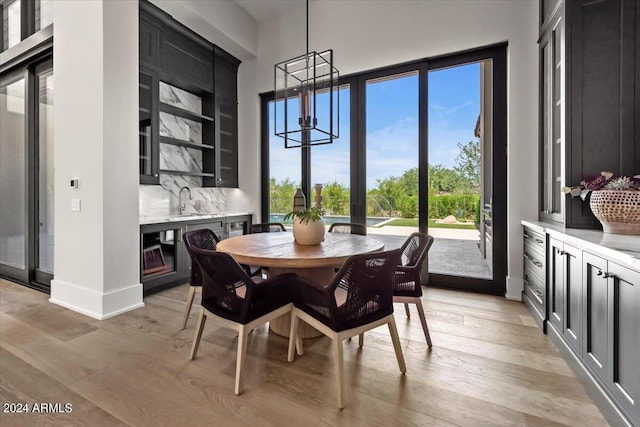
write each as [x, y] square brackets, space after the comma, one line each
[226, 116]
[612, 330]
[604, 75]
[534, 294]
[165, 261]
[592, 310]
[589, 99]
[565, 291]
[189, 125]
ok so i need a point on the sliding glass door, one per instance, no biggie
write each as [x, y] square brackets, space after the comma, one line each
[26, 175]
[13, 174]
[392, 145]
[425, 151]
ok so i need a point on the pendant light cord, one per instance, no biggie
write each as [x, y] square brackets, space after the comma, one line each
[307, 27]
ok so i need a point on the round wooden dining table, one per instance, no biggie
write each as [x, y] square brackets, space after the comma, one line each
[282, 254]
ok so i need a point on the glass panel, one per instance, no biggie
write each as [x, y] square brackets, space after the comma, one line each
[12, 174]
[330, 164]
[11, 24]
[457, 139]
[557, 123]
[180, 98]
[392, 157]
[145, 124]
[285, 172]
[159, 253]
[45, 171]
[44, 13]
[547, 154]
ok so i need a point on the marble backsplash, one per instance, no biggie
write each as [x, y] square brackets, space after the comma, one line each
[160, 200]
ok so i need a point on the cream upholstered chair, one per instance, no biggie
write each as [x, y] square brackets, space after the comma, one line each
[236, 301]
[358, 299]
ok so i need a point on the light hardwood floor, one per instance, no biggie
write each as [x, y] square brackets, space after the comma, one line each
[489, 365]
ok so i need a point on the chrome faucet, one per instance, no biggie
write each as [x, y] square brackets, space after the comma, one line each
[181, 205]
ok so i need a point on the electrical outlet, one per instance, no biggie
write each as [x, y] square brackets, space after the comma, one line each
[75, 205]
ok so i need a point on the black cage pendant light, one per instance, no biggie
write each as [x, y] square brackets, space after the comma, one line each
[306, 98]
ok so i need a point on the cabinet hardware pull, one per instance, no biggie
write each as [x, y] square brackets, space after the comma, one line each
[599, 273]
[608, 275]
[537, 292]
[537, 263]
[526, 236]
[539, 241]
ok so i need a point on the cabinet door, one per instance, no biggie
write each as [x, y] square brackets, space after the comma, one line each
[162, 262]
[556, 284]
[226, 117]
[573, 297]
[148, 127]
[596, 315]
[624, 337]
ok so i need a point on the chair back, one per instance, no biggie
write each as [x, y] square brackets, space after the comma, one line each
[267, 227]
[407, 275]
[415, 248]
[368, 282]
[226, 287]
[348, 227]
[200, 239]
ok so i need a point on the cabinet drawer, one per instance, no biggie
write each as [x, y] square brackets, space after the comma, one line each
[534, 265]
[534, 243]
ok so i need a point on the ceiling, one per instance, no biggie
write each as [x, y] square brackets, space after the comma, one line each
[265, 9]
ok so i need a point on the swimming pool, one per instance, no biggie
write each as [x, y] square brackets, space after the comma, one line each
[330, 219]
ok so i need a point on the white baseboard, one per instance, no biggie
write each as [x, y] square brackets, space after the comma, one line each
[98, 305]
[515, 286]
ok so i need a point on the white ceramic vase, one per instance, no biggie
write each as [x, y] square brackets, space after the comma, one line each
[308, 233]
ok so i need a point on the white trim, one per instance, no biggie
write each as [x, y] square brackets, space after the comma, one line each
[515, 286]
[97, 305]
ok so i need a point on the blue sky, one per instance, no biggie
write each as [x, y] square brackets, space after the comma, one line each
[392, 128]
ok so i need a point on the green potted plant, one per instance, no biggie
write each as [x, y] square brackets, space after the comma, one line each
[308, 225]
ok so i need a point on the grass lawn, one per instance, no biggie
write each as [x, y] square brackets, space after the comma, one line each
[413, 222]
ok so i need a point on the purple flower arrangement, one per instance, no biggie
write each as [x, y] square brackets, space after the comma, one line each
[604, 181]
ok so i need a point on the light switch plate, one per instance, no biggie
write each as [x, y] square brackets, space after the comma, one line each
[75, 205]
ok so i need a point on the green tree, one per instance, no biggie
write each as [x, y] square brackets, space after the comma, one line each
[281, 195]
[335, 198]
[468, 164]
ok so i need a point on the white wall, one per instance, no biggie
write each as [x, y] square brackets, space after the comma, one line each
[97, 255]
[371, 34]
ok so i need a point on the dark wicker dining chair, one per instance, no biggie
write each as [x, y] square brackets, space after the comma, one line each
[201, 239]
[267, 227]
[234, 300]
[407, 288]
[359, 298]
[348, 227]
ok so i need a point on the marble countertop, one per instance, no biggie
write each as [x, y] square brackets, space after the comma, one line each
[144, 220]
[622, 249]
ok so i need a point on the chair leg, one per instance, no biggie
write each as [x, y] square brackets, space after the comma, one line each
[196, 340]
[425, 328]
[190, 296]
[293, 337]
[396, 344]
[339, 361]
[242, 356]
[406, 308]
[361, 339]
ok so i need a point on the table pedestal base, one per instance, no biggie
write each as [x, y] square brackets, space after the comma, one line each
[282, 325]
